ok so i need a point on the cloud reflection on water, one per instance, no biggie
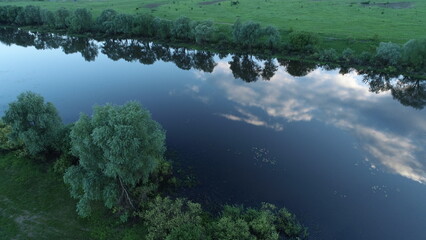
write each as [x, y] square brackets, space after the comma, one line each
[343, 101]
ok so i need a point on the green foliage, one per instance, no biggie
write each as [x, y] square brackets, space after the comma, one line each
[47, 18]
[163, 28]
[122, 24]
[170, 219]
[5, 131]
[230, 228]
[288, 224]
[273, 37]
[8, 14]
[203, 32]
[144, 25]
[328, 55]
[262, 221]
[105, 22]
[30, 15]
[389, 53]
[61, 18]
[80, 21]
[348, 56]
[119, 148]
[414, 54]
[34, 123]
[303, 41]
[248, 34]
[182, 29]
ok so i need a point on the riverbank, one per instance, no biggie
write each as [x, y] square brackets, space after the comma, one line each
[35, 203]
[358, 25]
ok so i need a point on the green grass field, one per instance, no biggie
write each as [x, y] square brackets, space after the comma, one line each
[35, 204]
[348, 19]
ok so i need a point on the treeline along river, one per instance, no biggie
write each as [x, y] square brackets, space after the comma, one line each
[341, 148]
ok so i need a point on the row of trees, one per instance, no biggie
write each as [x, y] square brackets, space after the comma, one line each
[410, 57]
[116, 157]
[112, 23]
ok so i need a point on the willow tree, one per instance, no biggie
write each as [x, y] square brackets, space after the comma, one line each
[119, 147]
[35, 123]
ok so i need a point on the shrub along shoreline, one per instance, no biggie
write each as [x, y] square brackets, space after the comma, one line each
[408, 59]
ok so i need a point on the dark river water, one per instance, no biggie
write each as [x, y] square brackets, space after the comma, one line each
[348, 161]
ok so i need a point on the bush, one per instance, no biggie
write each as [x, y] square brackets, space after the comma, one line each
[167, 218]
[389, 53]
[5, 144]
[144, 25]
[48, 18]
[30, 15]
[34, 123]
[303, 42]
[163, 28]
[288, 224]
[247, 34]
[273, 37]
[181, 29]
[104, 23]
[61, 18]
[8, 14]
[328, 55]
[203, 32]
[414, 55]
[348, 56]
[80, 21]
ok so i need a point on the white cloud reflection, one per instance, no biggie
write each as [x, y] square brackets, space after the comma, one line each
[340, 100]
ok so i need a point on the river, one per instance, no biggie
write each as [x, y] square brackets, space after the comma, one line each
[345, 153]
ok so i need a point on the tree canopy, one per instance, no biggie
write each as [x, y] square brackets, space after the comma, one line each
[34, 123]
[119, 147]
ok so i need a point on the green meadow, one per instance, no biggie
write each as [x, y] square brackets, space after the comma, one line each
[36, 204]
[391, 20]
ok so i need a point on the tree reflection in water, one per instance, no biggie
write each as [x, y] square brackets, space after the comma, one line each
[409, 91]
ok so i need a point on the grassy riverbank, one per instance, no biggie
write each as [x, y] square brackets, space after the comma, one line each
[35, 204]
[341, 24]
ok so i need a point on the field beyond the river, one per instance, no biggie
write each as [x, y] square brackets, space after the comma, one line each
[390, 20]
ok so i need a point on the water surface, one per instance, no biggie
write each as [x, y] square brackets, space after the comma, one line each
[348, 161]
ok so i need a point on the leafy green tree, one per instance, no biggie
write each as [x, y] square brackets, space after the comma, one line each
[80, 21]
[61, 18]
[273, 37]
[5, 131]
[123, 24]
[203, 32]
[168, 219]
[119, 148]
[414, 55]
[181, 29]
[303, 41]
[104, 22]
[247, 34]
[348, 56]
[34, 123]
[328, 55]
[47, 18]
[144, 25]
[230, 228]
[30, 15]
[163, 28]
[288, 224]
[8, 14]
[389, 53]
